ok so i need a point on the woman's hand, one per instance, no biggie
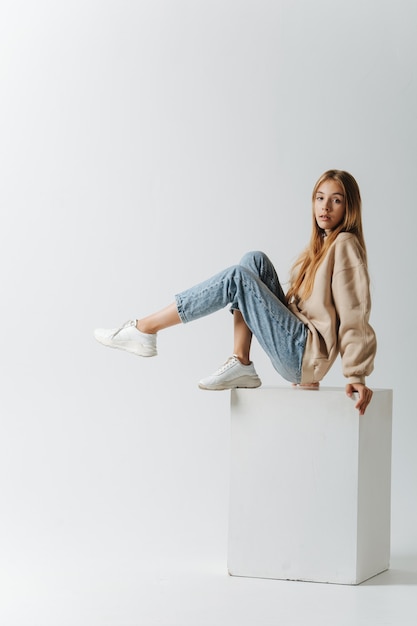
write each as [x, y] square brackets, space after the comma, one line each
[365, 395]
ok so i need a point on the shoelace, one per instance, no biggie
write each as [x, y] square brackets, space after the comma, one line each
[125, 325]
[227, 365]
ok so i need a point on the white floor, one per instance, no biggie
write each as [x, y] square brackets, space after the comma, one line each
[122, 590]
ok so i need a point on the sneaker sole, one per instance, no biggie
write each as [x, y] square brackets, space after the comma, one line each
[135, 349]
[244, 382]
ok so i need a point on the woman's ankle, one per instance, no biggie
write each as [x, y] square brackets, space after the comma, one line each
[152, 324]
[245, 360]
[143, 327]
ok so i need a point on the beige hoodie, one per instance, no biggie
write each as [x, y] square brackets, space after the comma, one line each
[337, 315]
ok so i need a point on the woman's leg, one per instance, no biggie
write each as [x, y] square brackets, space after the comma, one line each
[260, 265]
[242, 336]
[169, 317]
[158, 321]
[280, 333]
[253, 290]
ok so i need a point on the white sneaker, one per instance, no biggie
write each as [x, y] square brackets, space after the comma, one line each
[128, 338]
[232, 375]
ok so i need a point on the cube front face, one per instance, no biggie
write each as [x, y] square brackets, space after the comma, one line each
[295, 502]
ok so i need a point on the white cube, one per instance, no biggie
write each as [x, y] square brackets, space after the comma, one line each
[310, 488]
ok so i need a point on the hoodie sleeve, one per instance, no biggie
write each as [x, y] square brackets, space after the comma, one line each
[350, 289]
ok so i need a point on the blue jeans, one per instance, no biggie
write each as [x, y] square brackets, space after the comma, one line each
[253, 288]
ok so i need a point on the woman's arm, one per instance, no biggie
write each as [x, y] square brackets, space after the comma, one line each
[356, 337]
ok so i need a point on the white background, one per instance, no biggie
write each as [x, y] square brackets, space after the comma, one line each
[144, 146]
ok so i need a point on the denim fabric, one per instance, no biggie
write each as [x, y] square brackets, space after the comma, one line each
[254, 289]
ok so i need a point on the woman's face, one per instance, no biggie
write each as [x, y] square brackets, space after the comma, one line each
[329, 204]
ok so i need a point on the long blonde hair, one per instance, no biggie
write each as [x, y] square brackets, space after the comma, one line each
[305, 268]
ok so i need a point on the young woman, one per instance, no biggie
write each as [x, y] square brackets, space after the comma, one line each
[325, 312]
